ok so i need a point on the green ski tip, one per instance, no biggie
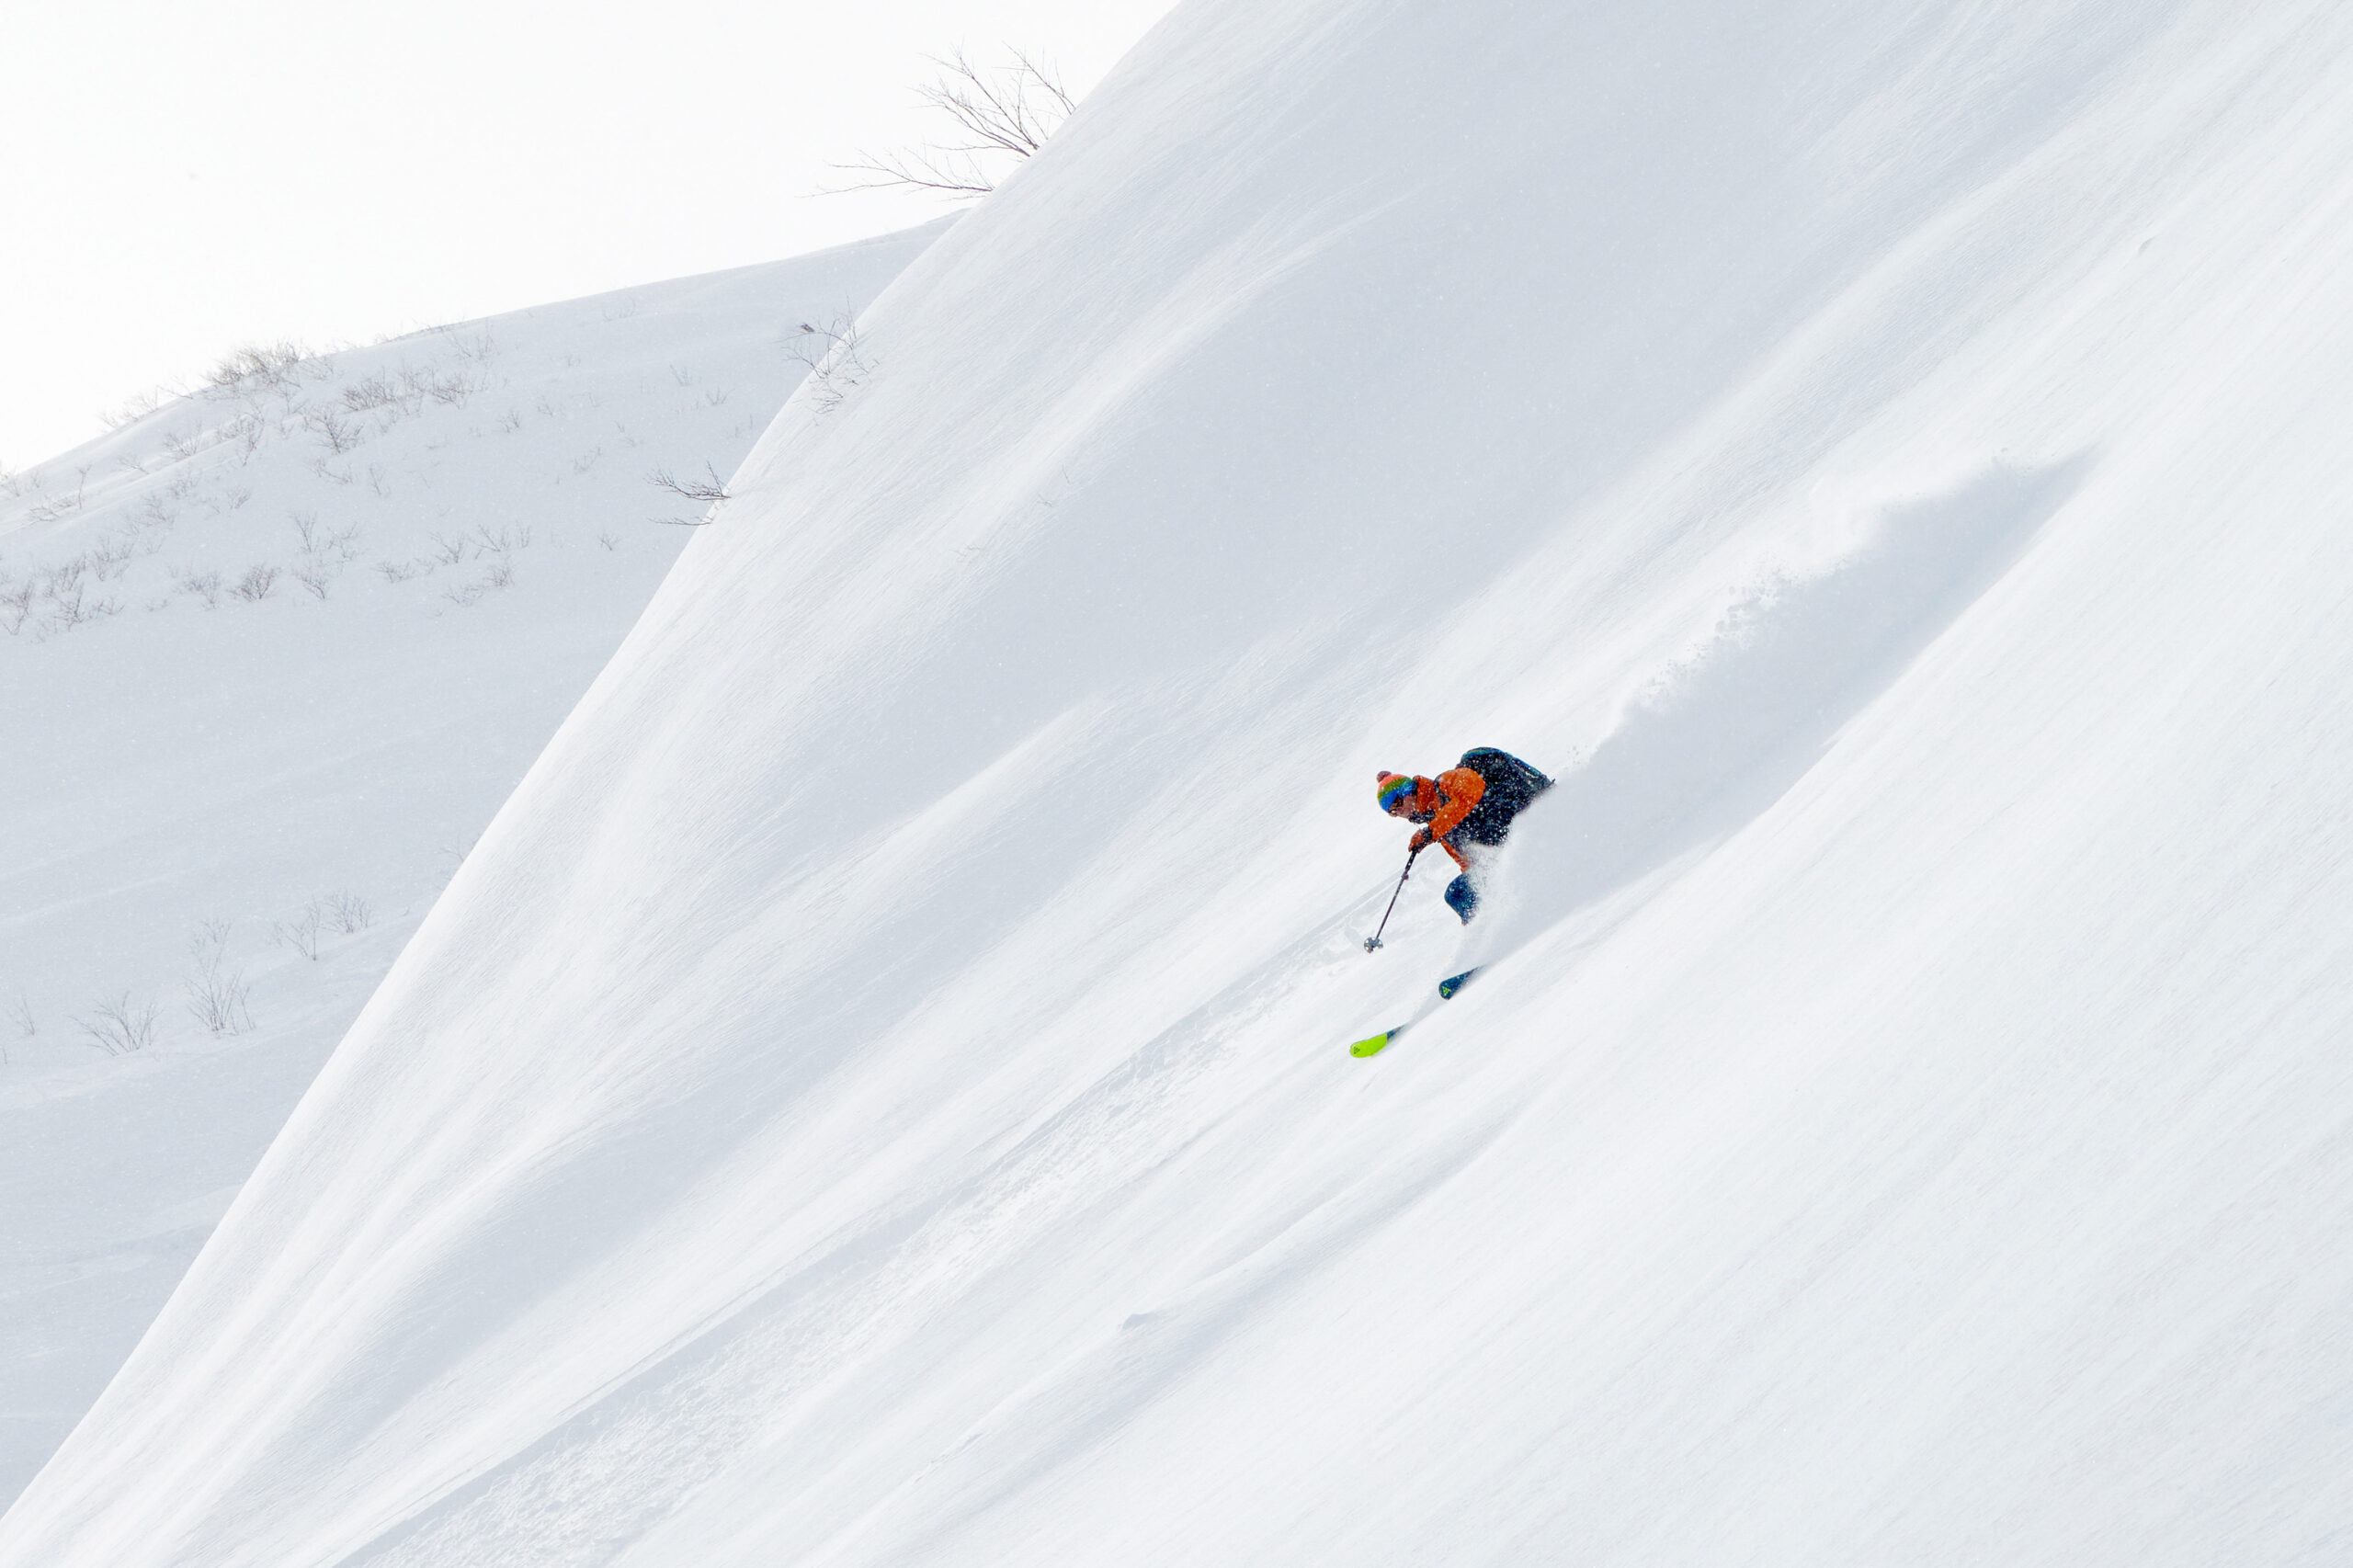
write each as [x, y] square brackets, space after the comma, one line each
[1372, 1047]
[1454, 983]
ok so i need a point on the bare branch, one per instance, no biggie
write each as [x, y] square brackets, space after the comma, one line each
[998, 113]
[710, 493]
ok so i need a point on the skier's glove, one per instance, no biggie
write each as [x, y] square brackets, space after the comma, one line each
[1419, 842]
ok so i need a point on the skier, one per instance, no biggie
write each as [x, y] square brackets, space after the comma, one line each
[1470, 804]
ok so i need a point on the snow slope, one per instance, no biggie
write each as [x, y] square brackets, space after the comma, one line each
[877, 1093]
[474, 556]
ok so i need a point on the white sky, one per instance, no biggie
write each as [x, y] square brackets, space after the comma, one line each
[185, 175]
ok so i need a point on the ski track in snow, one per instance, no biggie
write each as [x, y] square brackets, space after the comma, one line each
[877, 1093]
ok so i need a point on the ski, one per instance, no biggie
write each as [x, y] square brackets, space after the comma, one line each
[1374, 1045]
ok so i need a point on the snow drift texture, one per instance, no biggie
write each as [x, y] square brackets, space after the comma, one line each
[878, 1093]
[202, 762]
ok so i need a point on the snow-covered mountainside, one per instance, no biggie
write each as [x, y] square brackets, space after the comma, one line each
[877, 1093]
[278, 652]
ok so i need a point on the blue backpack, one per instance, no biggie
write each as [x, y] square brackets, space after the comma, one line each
[1511, 784]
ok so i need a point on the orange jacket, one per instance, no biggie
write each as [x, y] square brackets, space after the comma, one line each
[1442, 802]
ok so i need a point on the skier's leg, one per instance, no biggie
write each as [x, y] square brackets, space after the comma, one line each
[1463, 898]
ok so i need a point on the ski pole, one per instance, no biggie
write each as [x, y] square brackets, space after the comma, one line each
[1374, 940]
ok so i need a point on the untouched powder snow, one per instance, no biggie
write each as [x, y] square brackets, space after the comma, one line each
[878, 1094]
[189, 769]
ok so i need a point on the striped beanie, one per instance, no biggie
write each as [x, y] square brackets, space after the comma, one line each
[1395, 787]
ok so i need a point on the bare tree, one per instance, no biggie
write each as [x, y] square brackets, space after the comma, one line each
[999, 114]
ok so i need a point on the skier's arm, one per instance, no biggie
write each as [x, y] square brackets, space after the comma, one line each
[1460, 791]
[1422, 840]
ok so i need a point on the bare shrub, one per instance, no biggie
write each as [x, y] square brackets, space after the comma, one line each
[713, 488]
[509, 537]
[68, 597]
[74, 607]
[499, 573]
[372, 392]
[401, 570]
[205, 585]
[133, 410]
[451, 391]
[609, 538]
[52, 508]
[340, 435]
[119, 1027]
[306, 528]
[219, 1000]
[836, 357]
[997, 116]
[256, 583]
[348, 912]
[16, 605]
[271, 365]
[709, 492]
[209, 943]
[302, 933]
[110, 557]
[511, 421]
[217, 996]
[448, 552]
[314, 578]
[477, 346]
[415, 384]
